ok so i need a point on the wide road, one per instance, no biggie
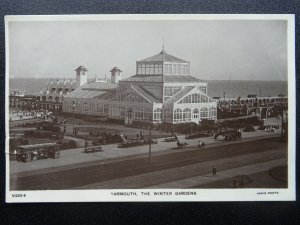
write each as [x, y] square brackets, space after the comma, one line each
[112, 170]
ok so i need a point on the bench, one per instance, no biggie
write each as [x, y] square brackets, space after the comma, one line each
[93, 149]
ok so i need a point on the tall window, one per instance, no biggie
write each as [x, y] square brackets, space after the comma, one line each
[204, 112]
[99, 108]
[177, 115]
[139, 114]
[157, 115]
[186, 114]
[212, 112]
[141, 68]
[122, 111]
[130, 98]
[195, 114]
[203, 89]
[92, 107]
[106, 110]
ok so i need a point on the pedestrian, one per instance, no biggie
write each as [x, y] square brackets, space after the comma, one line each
[199, 144]
[137, 136]
[234, 182]
[214, 172]
[86, 144]
[142, 134]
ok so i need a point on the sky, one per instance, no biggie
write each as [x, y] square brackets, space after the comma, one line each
[216, 49]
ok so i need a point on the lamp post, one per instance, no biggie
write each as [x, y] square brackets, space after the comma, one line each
[150, 136]
[73, 118]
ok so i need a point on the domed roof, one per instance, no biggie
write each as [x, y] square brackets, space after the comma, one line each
[81, 68]
[116, 69]
[163, 56]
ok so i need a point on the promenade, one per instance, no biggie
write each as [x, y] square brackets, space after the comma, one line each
[76, 157]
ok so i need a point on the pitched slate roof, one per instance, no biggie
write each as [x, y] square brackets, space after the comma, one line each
[92, 90]
[163, 57]
[163, 78]
[144, 78]
[180, 79]
[145, 93]
[179, 95]
[108, 95]
[98, 86]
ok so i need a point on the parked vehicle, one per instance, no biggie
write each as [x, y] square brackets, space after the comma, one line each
[129, 143]
[229, 135]
[27, 153]
[249, 129]
[171, 139]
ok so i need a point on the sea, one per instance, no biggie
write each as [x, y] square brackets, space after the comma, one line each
[216, 88]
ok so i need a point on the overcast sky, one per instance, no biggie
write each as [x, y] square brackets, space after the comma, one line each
[247, 50]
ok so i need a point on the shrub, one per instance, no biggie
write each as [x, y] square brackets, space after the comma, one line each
[72, 144]
[116, 121]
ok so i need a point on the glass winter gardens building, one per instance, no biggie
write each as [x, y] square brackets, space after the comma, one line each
[161, 91]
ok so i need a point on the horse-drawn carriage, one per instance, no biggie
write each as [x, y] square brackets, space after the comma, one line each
[171, 139]
[181, 144]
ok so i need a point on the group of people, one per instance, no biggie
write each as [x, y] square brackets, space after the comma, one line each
[19, 114]
[140, 135]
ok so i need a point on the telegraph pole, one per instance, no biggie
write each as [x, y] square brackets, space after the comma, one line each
[150, 137]
[73, 118]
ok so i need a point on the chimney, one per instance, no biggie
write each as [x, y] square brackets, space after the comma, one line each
[115, 75]
[81, 76]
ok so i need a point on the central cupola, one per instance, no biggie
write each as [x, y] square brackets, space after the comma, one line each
[162, 64]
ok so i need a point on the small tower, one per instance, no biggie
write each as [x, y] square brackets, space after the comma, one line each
[115, 75]
[81, 76]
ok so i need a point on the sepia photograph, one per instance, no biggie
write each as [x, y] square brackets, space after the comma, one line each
[150, 108]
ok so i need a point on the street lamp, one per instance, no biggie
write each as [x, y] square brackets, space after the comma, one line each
[73, 118]
[150, 136]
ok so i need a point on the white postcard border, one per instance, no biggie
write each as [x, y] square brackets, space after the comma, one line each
[169, 195]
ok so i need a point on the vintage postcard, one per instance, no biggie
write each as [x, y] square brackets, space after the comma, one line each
[150, 108]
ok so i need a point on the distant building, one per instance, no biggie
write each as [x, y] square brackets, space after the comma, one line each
[161, 91]
[52, 96]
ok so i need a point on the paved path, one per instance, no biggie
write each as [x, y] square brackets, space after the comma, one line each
[197, 173]
[222, 175]
[76, 156]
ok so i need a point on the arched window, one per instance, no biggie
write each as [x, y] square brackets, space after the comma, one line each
[186, 114]
[195, 114]
[44, 98]
[203, 112]
[57, 99]
[130, 98]
[50, 98]
[157, 114]
[177, 115]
